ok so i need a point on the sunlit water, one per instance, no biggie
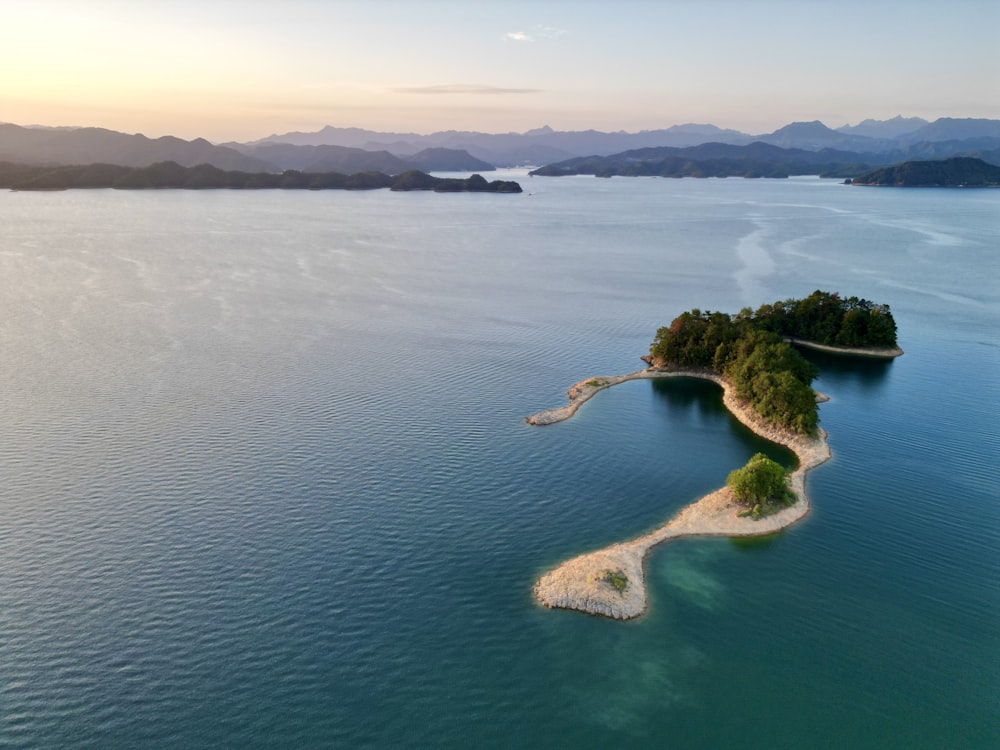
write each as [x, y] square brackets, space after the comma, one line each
[266, 480]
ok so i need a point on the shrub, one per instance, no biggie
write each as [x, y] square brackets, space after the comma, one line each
[761, 482]
[616, 578]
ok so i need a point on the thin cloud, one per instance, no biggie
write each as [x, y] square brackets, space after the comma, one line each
[462, 88]
[536, 33]
[547, 32]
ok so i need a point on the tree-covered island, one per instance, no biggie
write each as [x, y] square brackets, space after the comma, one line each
[751, 350]
[170, 175]
[766, 386]
[957, 171]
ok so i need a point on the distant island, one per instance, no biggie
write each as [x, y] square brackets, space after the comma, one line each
[169, 174]
[958, 171]
[753, 160]
[766, 385]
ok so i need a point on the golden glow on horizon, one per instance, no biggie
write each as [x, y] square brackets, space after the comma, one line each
[238, 71]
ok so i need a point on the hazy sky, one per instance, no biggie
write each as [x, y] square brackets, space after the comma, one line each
[243, 69]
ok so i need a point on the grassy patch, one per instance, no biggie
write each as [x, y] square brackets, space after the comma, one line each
[616, 578]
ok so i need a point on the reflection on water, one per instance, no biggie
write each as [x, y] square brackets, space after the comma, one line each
[755, 543]
[701, 401]
[870, 374]
[681, 394]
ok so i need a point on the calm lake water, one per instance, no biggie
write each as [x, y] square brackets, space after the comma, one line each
[266, 480]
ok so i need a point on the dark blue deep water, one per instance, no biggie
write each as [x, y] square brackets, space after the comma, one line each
[265, 479]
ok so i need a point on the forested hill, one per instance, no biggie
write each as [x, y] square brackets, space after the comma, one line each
[749, 349]
[955, 172]
[172, 175]
[716, 160]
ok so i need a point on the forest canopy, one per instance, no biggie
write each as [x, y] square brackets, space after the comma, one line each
[828, 318]
[761, 485]
[750, 348]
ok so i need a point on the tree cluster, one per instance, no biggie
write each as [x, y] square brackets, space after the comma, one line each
[765, 371]
[761, 485]
[749, 348]
[828, 318]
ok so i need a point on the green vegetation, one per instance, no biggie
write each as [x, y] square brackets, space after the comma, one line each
[765, 371]
[616, 578]
[761, 485]
[416, 180]
[955, 172]
[169, 174]
[828, 318]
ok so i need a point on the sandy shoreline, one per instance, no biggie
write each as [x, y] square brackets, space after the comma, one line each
[579, 584]
[873, 352]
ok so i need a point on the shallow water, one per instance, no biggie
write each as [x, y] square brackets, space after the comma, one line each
[267, 480]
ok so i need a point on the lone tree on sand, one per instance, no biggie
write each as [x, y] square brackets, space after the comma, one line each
[761, 486]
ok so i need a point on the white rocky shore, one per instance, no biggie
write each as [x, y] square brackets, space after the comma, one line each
[583, 583]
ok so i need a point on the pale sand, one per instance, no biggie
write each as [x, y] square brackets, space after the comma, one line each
[578, 583]
[874, 352]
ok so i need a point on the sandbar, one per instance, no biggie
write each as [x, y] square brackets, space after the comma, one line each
[581, 582]
[872, 352]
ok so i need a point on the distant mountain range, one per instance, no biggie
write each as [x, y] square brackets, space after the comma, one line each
[91, 145]
[760, 159]
[844, 151]
[545, 145]
[539, 146]
[330, 157]
[66, 146]
[893, 128]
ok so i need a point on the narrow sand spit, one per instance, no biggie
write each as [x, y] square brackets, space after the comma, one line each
[872, 352]
[582, 582]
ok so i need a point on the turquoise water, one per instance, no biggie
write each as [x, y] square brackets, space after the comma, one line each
[266, 480]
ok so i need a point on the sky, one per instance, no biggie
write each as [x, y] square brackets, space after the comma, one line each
[244, 69]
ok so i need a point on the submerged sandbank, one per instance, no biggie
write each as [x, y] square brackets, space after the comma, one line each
[580, 583]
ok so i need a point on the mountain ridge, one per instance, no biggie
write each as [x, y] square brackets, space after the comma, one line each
[518, 149]
[359, 149]
[757, 159]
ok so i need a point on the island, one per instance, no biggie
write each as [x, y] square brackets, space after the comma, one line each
[170, 175]
[959, 171]
[767, 386]
[755, 160]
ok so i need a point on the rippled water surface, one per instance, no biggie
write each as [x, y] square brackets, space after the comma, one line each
[266, 480]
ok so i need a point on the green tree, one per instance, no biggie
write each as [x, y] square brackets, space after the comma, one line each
[761, 482]
[881, 326]
[749, 349]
